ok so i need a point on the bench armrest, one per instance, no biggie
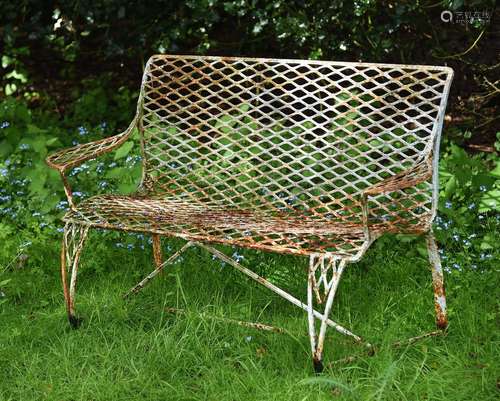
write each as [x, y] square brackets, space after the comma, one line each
[408, 178]
[416, 174]
[76, 155]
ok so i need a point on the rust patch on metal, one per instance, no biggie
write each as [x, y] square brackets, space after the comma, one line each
[159, 269]
[73, 240]
[64, 277]
[413, 340]
[253, 325]
[157, 253]
[437, 283]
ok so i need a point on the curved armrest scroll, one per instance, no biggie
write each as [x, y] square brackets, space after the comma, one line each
[71, 157]
[410, 177]
[76, 155]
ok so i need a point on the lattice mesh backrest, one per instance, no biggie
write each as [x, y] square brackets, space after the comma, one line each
[290, 135]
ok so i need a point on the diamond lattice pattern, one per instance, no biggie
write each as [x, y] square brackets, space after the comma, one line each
[286, 136]
[290, 141]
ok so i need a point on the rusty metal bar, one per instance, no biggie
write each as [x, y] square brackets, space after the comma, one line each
[437, 282]
[413, 340]
[73, 240]
[157, 253]
[139, 286]
[330, 270]
[253, 325]
[397, 344]
[277, 290]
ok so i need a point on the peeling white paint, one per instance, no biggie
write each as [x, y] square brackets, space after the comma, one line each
[441, 301]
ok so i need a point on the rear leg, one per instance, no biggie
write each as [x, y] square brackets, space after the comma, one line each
[157, 253]
[437, 282]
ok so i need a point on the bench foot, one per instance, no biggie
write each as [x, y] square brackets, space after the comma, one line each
[318, 365]
[437, 282]
[323, 280]
[73, 240]
[75, 322]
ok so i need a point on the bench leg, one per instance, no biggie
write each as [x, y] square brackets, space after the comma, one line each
[159, 267]
[290, 298]
[437, 282]
[73, 240]
[157, 253]
[323, 280]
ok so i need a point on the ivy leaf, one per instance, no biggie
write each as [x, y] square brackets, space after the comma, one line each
[135, 133]
[33, 129]
[124, 150]
[126, 188]
[406, 238]
[116, 172]
[223, 141]
[496, 171]
[450, 187]
[38, 178]
[38, 144]
[490, 201]
[244, 107]
[52, 141]
[48, 205]
[488, 242]
[5, 149]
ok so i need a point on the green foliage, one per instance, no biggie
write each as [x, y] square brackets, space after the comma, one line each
[99, 49]
[497, 142]
[469, 205]
[31, 194]
[296, 27]
[23, 148]
[469, 179]
[70, 31]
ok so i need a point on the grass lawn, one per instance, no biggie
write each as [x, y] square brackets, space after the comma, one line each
[135, 349]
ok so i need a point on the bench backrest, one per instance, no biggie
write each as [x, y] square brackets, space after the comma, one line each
[290, 135]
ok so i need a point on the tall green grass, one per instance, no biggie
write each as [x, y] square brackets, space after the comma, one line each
[134, 349]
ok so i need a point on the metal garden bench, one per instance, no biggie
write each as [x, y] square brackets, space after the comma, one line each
[310, 158]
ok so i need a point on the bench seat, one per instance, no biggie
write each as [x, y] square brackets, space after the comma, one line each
[199, 221]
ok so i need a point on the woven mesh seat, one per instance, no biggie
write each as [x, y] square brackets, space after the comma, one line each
[278, 231]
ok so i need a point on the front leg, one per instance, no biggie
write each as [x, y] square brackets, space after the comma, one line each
[323, 280]
[72, 245]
